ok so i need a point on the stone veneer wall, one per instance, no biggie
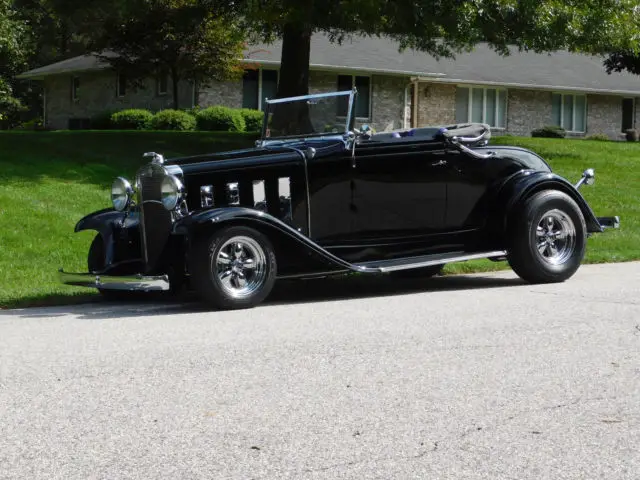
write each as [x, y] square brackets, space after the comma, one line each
[228, 94]
[97, 94]
[436, 104]
[604, 115]
[527, 110]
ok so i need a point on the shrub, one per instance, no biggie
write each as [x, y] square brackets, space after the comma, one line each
[133, 119]
[220, 119]
[173, 120]
[253, 119]
[549, 131]
[33, 124]
[602, 137]
[631, 135]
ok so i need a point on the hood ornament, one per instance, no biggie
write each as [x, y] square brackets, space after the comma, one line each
[156, 158]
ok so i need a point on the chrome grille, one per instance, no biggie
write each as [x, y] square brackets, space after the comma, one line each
[155, 220]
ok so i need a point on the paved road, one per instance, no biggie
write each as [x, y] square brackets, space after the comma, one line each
[462, 377]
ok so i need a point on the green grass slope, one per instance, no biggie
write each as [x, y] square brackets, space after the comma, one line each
[48, 181]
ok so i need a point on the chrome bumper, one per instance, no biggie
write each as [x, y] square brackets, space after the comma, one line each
[106, 282]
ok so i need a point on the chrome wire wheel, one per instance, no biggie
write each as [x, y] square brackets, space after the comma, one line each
[240, 266]
[555, 237]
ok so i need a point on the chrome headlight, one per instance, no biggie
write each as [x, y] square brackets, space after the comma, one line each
[172, 192]
[121, 194]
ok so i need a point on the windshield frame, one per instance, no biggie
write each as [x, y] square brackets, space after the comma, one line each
[348, 120]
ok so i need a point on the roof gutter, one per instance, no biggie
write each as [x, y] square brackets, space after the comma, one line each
[530, 86]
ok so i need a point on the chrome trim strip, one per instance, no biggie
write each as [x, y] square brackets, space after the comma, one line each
[423, 261]
[108, 282]
[305, 97]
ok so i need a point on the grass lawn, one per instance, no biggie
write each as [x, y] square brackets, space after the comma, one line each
[51, 180]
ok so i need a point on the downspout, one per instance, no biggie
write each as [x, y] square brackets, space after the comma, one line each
[414, 120]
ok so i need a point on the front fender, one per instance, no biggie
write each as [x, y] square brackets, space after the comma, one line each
[209, 220]
[107, 223]
[525, 183]
[100, 221]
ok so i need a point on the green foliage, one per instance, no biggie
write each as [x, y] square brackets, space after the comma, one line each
[220, 119]
[253, 119]
[601, 137]
[194, 40]
[549, 131]
[173, 120]
[33, 124]
[132, 119]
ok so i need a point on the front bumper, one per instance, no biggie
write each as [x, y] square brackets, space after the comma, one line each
[107, 282]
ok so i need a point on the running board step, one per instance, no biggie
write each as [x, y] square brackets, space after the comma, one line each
[408, 263]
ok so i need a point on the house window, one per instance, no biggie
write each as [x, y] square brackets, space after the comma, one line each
[569, 111]
[75, 88]
[162, 84]
[628, 105]
[362, 108]
[121, 85]
[481, 105]
[258, 85]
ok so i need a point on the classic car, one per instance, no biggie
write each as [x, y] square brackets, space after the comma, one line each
[317, 196]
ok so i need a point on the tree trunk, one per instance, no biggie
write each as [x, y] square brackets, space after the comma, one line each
[175, 80]
[293, 119]
[294, 64]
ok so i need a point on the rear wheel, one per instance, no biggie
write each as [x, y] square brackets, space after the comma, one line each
[233, 268]
[548, 238]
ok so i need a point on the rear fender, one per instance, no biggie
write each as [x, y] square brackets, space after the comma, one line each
[526, 183]
[291, 245]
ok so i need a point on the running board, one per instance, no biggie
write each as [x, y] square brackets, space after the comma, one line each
[396, 264]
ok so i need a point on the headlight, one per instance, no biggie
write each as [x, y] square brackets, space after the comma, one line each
[172, 192]
[121, 193]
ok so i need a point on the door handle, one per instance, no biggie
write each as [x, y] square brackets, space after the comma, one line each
[439, 163]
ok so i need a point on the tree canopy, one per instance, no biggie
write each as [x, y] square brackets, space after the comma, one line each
[13, 55]
[442, 28]
[196, 40]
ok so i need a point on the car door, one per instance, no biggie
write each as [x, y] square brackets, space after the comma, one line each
[329, 185]
[399, 191]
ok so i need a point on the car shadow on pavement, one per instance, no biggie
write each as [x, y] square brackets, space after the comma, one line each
[286, 292]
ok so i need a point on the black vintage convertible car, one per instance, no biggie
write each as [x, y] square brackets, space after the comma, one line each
[317, 197]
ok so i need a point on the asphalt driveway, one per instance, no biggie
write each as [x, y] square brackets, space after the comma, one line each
[478, 376]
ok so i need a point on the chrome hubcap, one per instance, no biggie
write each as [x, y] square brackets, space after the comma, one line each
[241, 266]
[555, 237]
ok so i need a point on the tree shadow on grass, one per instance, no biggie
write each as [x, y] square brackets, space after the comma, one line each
[300, 292]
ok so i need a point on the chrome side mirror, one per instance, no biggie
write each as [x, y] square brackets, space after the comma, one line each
[588, 178]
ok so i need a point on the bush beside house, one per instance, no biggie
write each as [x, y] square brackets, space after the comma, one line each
[221, 119]
[132, 119]
[173, 120]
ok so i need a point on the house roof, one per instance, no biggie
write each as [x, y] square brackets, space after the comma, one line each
[558, 71]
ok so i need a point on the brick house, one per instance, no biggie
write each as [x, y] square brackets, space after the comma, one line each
[514, 94]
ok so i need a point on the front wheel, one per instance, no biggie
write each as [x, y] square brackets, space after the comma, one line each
[548, 238]
[233, 268]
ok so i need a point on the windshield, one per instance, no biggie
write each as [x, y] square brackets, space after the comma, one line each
[309, 115]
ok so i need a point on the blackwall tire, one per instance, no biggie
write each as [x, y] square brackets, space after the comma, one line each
[233, 268]
[547, 238]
